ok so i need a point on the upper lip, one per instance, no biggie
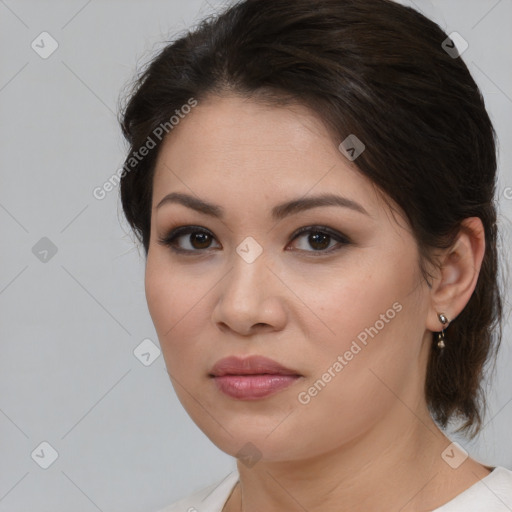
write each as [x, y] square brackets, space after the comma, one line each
[252, 365]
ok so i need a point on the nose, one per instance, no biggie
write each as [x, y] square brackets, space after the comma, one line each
[250, 299]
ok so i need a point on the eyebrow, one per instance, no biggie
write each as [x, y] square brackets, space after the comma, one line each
[278, 212]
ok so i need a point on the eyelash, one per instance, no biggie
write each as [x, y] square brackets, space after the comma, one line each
[170, 239]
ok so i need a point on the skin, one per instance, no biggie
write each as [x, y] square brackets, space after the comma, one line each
[366, 441]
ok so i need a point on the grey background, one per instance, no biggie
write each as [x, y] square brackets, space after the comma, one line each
[69, 325]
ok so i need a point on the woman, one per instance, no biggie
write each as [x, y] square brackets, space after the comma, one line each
[313, 184]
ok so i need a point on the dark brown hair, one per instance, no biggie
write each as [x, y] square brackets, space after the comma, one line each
[375, 69]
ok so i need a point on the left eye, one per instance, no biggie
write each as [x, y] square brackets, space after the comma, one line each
[196, 239]
[321, 239]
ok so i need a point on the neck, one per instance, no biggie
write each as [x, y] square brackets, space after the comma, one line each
[388, 468]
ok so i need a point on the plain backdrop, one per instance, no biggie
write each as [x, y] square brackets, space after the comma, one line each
[72, 304]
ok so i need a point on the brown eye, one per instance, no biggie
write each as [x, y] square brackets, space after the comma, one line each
[192, 240]
[200, 240]
[188, 239]
[320, 239]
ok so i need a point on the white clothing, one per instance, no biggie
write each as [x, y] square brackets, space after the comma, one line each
[493, 493]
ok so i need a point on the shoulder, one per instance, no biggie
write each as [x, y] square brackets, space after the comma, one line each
[208, 499]
[491, 494]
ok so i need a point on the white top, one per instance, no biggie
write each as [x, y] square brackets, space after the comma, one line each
[492, 493]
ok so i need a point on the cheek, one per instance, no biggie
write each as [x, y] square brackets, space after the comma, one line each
[177, 313]
[348, 299]
[354, 383]
[366, 317]
[175, 307]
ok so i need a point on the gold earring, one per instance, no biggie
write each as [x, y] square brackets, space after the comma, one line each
[440, 336]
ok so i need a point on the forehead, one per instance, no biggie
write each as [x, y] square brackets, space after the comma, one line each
[255, 151]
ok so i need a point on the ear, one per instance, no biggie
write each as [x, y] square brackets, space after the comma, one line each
[458, 274]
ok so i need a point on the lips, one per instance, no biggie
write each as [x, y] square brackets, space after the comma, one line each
[252, 365]
[252, 378]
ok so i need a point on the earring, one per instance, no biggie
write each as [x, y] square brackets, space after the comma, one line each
[440, 336]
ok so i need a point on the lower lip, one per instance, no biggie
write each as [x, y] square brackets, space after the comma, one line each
[253, 387]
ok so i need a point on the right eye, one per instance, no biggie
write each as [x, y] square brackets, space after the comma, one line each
[196, 239]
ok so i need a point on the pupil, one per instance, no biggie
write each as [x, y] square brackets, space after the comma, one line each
[320, 238]
[202, 239]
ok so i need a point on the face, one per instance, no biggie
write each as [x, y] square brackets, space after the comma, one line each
[341, 303]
